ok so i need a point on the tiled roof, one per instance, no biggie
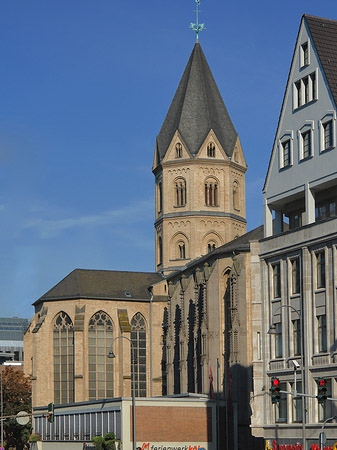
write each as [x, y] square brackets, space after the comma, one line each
[103, 284]
[240, 244]
[324, 35]
[197, 107]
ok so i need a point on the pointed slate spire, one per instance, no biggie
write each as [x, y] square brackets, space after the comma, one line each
[197, 107]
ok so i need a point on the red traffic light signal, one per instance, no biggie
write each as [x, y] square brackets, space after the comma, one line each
[275, 390]
[322, 390]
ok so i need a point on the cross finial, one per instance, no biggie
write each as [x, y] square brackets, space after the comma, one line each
[197, 26]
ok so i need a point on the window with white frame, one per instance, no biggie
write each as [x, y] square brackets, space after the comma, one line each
[304, 54]
[305, 90]
[306, 145]
[328, 131]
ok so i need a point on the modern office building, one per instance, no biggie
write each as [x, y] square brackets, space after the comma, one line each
[12, 330]
[294, 273]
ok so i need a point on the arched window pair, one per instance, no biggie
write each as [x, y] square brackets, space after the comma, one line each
[211, 193]
[211, 246]
[180, 192]
[100, 338]
[179, 150]
[211, 150]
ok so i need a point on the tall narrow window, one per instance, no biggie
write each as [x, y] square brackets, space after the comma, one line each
[286, 153]
[236, 202]
[281, 407]
[320, 270]
[160, 195]
[322, 334]
[160, 250]
[211, 150]
[278, 341]
[306, 89]
[295, 276]
[304, 54]
[63, 359]
[297, 337]
[138, 338]
[298, 90]
[181, 250]
[211, 193]
[179, 150]
[100, 335]
[180, 191]
[306, 142]
[276, 281]
[328, 135]
[313, 86]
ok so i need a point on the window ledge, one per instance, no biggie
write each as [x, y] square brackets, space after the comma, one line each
[325, 150]
[179, 206]
[305, 104]
[319, 290]
[285, 167]
[305, 159]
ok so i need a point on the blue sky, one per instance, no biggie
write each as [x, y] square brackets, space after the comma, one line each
[85, 86]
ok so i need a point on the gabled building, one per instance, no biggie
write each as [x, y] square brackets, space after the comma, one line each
[294, 273]
[199, 167]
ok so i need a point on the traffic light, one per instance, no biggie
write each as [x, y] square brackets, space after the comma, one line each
[322, 390]
[275, 390]
[50, 416]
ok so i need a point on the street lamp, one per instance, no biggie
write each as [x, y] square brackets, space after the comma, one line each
[111, 354]
[272, 330]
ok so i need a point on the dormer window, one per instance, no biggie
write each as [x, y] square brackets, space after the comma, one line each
[211, 150]
[304, 54]
[179, 150]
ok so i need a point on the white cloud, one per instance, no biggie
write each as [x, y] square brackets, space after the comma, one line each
[131, 213]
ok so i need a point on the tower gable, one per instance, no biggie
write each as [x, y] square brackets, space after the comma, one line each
[177, 149]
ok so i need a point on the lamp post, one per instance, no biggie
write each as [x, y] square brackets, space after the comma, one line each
[111, 354]
[272, 330]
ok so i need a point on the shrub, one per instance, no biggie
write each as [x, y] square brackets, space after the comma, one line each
[34, 437]
[98, 442]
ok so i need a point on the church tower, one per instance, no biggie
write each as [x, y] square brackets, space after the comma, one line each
[199, 170]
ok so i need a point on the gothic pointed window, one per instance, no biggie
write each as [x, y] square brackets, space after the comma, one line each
[211, 150]
[100, 335]
[138, 339]
[160, 195]
[180, 192]
[179, 150]
[63, 337]
[211, 193]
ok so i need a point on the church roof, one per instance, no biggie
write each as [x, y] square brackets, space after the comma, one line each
[324, 35]
[197, 107]
[104, 285]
